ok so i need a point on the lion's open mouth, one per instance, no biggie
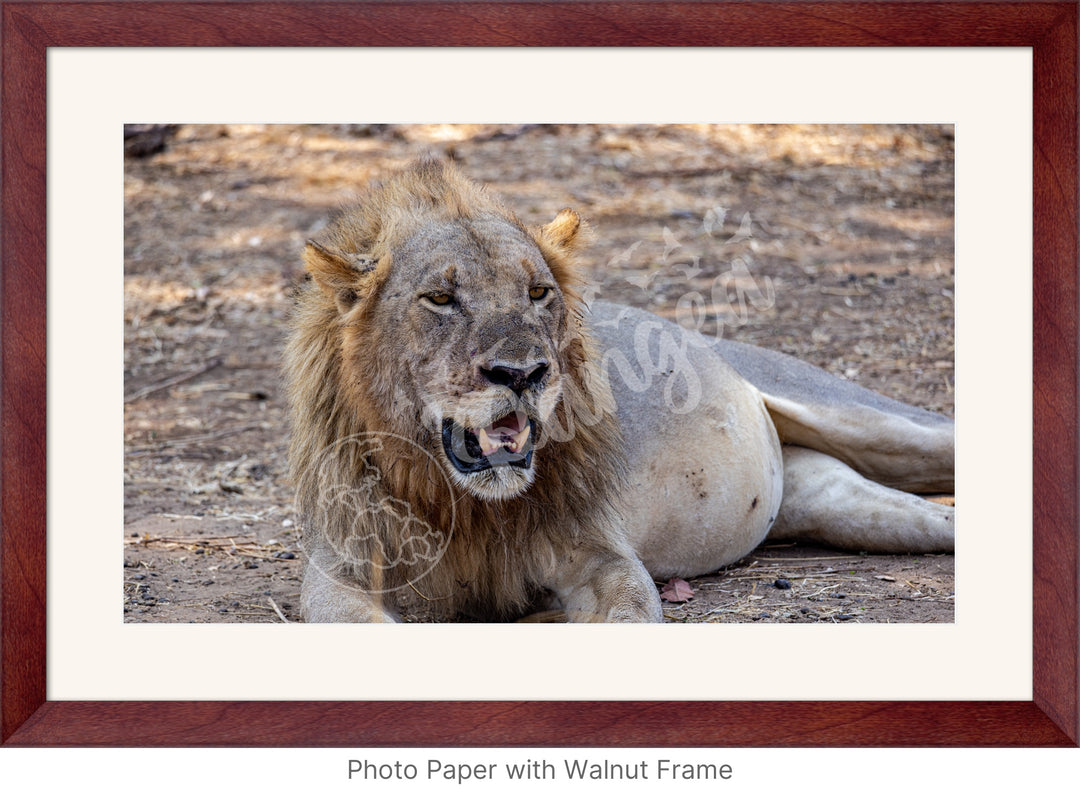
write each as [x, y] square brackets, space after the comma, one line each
[506, 442]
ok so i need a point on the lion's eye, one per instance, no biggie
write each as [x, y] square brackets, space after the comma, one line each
[539, 293]
[441, 299]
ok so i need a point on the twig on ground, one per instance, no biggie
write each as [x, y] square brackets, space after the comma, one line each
[277, 610]
[822, 590]
[172, 382]
[211, 435]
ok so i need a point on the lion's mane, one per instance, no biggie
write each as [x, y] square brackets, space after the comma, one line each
[367, 483]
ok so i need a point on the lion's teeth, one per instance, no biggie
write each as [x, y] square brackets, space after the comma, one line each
[520, 439]
[491, 439]
[487, 445]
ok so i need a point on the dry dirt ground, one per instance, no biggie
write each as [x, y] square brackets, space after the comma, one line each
[831, 243]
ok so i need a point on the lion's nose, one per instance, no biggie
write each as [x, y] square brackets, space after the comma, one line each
[517, 379]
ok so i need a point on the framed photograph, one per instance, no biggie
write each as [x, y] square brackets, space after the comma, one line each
[57, 556]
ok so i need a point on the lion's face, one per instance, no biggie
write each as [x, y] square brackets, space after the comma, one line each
[478, 317]
[454, 334]
[454, 323]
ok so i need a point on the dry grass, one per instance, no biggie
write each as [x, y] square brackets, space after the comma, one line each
[852, 224]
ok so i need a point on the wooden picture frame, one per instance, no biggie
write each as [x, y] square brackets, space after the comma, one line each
[28, 718]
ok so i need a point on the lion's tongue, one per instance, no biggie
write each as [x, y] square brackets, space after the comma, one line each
[511, 431]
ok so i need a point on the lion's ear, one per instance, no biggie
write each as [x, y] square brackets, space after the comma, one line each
[340, 275]
[562, 232]
[559, 240]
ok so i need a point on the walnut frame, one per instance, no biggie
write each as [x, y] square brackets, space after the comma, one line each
[28, 718]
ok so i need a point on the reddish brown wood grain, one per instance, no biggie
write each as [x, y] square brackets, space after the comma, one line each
[22, 372]
[27, 718]
[629, 724]
[540, 24]
[1055, 376]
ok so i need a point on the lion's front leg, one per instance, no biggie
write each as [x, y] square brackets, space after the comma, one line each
[606, 587]
[328, 596]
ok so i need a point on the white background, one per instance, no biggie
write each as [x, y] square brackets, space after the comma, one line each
[90, 649]
[986, 654]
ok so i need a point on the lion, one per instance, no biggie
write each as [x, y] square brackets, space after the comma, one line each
[470, 435]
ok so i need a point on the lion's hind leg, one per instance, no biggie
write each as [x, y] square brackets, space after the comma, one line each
[890, 442]
[893, 450]
[828, 502]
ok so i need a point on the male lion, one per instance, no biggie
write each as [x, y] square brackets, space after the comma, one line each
[467, 432]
